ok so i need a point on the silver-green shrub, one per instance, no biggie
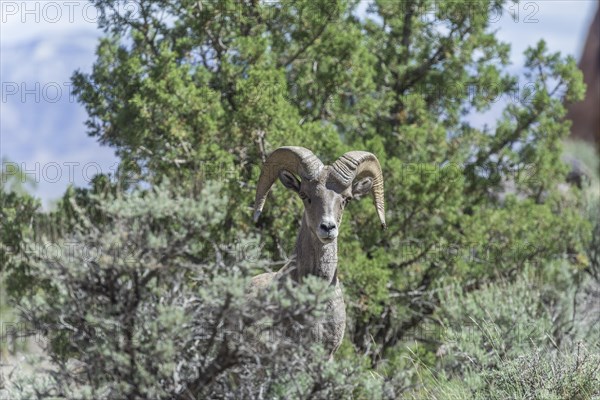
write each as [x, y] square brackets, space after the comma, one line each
[150, 302]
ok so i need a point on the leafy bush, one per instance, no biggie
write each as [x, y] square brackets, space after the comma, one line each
[573, 374]
[134, 307]
[195, 92]
[499, 322]
[482, 232]
[510, 340]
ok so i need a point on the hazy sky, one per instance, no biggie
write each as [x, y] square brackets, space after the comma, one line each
[43, 42]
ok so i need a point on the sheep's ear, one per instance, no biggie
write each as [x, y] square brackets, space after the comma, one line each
[289, 180]
[362, 187]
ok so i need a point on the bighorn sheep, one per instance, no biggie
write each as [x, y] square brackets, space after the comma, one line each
[325, 191]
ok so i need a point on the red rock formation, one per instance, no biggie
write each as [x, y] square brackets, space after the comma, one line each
[586, 114]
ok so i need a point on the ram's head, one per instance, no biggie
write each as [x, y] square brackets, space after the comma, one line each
[325, 190]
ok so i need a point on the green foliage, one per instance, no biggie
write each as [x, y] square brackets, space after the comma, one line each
[572, 374]
[520, 339]
[135, 308]
[499, 322]
[535, 374]
[12, 179]
[17, 213]
[481, 230]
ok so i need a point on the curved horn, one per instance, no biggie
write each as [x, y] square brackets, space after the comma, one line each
[361, 164]
[298, 160]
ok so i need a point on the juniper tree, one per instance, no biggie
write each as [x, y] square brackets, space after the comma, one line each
[203, 90]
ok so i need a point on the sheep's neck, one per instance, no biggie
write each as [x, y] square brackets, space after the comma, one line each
[314, 257]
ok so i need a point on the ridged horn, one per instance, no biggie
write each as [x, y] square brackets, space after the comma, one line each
[298, 160]
[362, 164]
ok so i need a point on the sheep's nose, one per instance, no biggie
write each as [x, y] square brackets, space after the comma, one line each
[327, 226]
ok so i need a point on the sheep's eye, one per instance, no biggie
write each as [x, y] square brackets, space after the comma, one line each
[303, 196]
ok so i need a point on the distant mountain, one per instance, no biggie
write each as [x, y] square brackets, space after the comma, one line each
[42, 124]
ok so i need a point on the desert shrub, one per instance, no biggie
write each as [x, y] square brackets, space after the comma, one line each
[537, 373]
[571, 374]
[518, 339]
[148, 305]
[502, 321]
